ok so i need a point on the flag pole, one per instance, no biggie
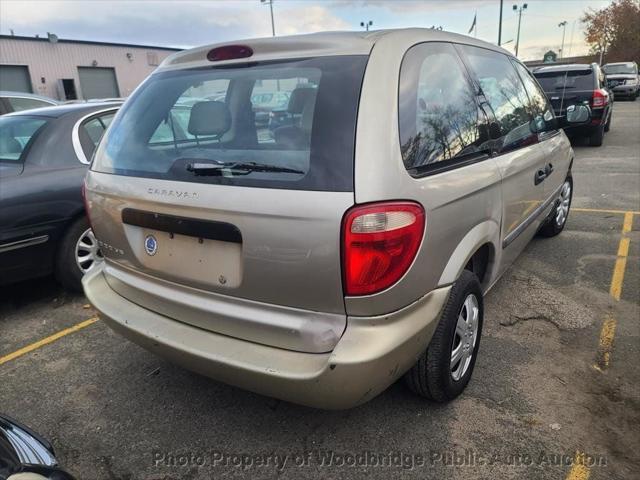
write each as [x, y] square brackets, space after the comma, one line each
[476, 27]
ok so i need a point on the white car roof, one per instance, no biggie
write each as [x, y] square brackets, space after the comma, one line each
[319, 44]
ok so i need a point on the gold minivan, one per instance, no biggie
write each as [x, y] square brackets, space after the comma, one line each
[321, 250]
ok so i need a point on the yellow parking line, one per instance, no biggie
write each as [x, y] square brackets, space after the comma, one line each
[47, 340]
[621, 261]
[579, 471]
[599, 210]
[607, 333]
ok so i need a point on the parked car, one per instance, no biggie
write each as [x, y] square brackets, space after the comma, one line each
[578, 84]
[352, 249]
[19, 101]
[623, 79]
[25, 455]
[44, 154]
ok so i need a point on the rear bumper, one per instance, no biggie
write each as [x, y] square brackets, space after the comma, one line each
[372, 353]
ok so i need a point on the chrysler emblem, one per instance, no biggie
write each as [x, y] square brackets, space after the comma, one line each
[150, 245]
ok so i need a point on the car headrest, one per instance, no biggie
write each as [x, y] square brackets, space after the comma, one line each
[301, 97]
[209, 118]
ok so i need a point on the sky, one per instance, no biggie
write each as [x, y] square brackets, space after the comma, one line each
[186, 23]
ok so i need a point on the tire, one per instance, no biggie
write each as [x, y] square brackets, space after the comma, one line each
[633, 97]
[68, 270]
[432, 376]
[596, 138]
[557, 219]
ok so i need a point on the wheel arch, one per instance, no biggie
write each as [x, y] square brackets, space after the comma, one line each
[475, 252]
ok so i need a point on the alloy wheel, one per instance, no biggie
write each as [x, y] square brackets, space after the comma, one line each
[564, 201]
[465, 337]
[87, 252]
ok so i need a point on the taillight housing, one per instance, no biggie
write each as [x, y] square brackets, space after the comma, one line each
[600, 99]
[379, 244]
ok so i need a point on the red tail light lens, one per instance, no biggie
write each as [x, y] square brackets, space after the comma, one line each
[379, 243]
[229, 52]
[600, 99]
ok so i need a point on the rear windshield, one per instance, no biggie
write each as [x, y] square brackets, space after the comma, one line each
[16, 133]
[620, 69]
[285, 124]
[574, 80]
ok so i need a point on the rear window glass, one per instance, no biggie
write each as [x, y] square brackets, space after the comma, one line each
[620, 69]
[574, 80]
[15, 135]
[285, 124]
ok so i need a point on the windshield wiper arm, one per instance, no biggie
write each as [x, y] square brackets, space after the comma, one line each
[236, 168]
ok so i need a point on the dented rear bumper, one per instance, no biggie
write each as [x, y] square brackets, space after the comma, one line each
[372, 353]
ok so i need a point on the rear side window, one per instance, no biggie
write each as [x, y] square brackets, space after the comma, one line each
[91, 132]
[438, 114]
[574, 80]
[16, 133]
[506, 96]
[281, 124]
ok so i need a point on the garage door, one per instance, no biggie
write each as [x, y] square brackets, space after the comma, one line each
[15, 78]
[98, 82]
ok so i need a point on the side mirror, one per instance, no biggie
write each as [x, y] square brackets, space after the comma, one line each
[578, 114]
[543, 123]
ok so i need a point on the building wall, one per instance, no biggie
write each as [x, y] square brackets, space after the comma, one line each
[54, 61]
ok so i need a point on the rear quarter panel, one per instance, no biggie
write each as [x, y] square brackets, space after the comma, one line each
[463, 206]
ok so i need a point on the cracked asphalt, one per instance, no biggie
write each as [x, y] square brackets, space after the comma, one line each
[115, 411]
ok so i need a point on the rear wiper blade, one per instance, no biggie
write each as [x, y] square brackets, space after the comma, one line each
[236, 168]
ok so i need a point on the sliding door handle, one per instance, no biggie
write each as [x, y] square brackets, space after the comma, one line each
[548, 169]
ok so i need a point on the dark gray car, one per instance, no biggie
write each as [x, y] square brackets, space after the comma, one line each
[44, 154]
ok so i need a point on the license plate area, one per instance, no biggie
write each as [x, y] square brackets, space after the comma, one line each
[191, 250]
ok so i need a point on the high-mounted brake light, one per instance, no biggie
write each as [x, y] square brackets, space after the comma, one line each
[379, 244]
[600, 99]
[229, 52]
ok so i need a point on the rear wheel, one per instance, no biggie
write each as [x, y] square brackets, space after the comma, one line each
[607, 126]
[596, 138]
[78, 253]
[444, 369]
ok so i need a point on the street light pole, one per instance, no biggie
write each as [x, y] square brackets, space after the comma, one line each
[273, 25]
[519, 10]
[562, 24]
[500, 25]
[366, 24]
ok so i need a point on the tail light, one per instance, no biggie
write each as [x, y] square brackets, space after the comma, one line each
[600, 99]
[229, 52]
[379, 244]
